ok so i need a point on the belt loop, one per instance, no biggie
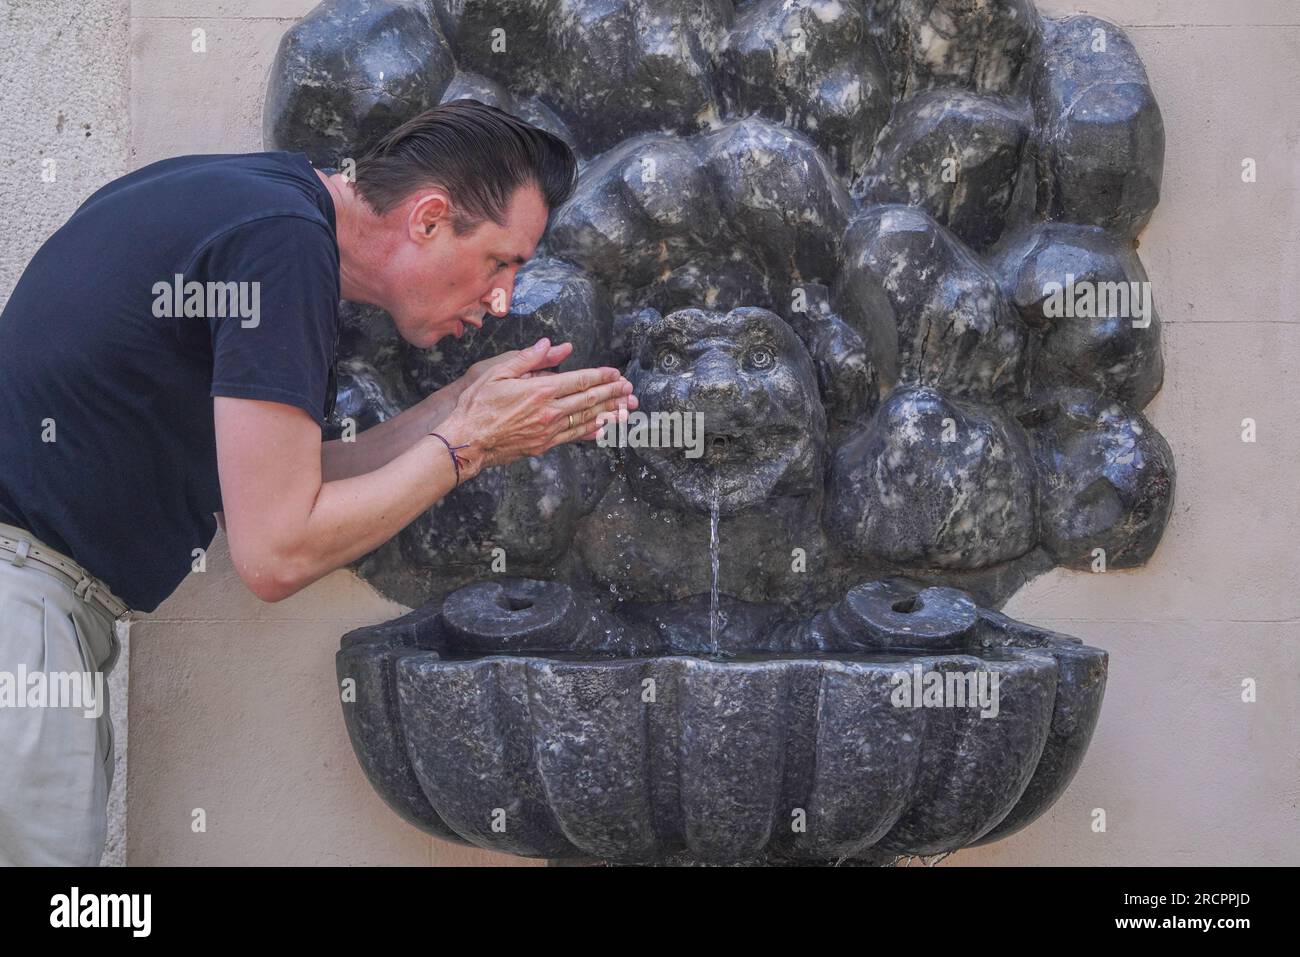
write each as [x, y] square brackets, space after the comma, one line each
[21, 553]
[85, 588]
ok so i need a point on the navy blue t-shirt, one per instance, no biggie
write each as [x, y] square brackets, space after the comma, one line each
[109, 361]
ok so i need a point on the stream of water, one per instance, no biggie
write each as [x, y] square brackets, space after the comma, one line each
[715, 611]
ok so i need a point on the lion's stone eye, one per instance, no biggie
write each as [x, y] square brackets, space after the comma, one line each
[760, 359]
[669, 360]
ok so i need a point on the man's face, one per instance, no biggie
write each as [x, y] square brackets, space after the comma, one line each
[441, 283]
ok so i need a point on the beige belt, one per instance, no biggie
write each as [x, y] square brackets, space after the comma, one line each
[21, 551]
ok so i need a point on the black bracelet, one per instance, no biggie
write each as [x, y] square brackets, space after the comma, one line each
[452, 450]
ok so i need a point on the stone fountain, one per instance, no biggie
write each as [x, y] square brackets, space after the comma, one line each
[887, 251]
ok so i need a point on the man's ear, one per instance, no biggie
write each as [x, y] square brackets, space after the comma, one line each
[430, 212]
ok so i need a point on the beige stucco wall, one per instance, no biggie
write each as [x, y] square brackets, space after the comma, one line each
[233, 702]
[63, 97]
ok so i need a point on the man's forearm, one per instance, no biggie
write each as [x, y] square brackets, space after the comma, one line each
[377, 446]
[353, 516]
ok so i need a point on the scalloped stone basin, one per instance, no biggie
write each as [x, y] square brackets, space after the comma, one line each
[473, 724]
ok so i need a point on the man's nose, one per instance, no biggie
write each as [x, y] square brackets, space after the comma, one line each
[498, 297]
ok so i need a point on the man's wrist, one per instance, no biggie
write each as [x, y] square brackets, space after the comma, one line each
[437, 406]
[454, 438]
[454, 390]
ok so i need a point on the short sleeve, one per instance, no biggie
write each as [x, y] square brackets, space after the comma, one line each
[275, 285]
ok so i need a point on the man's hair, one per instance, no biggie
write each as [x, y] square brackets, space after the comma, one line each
[479, 154]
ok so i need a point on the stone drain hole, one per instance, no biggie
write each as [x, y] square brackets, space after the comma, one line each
[907, 605]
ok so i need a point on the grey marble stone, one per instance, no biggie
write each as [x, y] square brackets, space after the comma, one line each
[972, 44]
[750, 163]
[1105, 343]
[641, 551]
[368, 335]
[1102, 140]
[955, 154]
[658, 216]
[610, 69]
[849, 382]
[933, 312]
[835, 229]
[1105, 479]
[934, 481]
[777, 755]
[475, 86]
[638, 210]
[349, 72]
[521, 508]
[880, 615]
[361, 401]
[809, 65]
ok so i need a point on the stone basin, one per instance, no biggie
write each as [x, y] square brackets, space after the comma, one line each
[520, 716]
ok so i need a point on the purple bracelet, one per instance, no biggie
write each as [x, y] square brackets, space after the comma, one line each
[452, 450]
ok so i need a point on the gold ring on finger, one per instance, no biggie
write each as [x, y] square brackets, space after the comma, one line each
[570, 420]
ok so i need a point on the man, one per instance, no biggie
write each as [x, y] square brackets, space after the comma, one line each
[165, 364]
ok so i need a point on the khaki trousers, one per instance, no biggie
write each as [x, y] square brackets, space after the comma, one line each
[56, 754]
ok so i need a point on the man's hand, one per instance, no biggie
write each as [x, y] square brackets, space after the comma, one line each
[553, 356]
[509, 411]
[380, 444]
